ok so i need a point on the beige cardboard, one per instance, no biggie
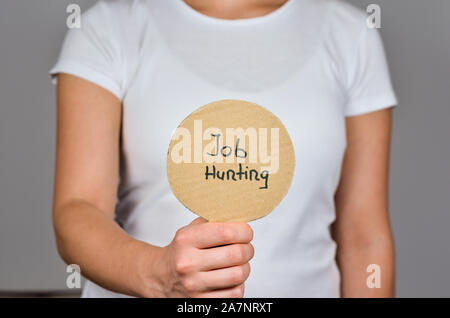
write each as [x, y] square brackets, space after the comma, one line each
[230, 200]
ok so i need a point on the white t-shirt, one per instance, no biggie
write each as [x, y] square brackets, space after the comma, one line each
[310, 62]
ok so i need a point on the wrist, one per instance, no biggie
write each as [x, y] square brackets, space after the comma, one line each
[151, 271]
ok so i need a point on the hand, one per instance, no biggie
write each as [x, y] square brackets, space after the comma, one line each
[208, 260]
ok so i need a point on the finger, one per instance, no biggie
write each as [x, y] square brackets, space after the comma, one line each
[222, 278]
[233, 292]
[225, 256]
[199, 220]
[216, 234]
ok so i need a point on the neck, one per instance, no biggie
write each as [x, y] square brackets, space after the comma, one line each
[235, 9]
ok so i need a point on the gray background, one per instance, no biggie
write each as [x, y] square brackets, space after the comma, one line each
[417, 40]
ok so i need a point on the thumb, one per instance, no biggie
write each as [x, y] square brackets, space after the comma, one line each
[199, 220]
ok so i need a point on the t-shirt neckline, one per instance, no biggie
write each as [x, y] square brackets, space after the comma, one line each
[188, 10]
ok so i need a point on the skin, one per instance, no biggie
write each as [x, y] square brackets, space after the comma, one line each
[362, 229]
[235, 9]
[204, 259]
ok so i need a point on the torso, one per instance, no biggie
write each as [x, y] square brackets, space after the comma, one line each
[280, 61]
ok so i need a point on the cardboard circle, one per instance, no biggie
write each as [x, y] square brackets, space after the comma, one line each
[230, 161]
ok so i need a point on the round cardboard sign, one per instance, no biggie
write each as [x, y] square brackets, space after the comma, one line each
[230, 161]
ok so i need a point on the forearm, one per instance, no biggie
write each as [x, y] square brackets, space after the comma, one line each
[354, 260]
[105, 253]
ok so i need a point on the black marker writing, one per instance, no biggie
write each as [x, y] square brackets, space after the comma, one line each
[236, 175]
[227, 150]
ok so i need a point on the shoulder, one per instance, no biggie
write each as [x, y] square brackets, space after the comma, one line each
[346, 12]
[118, 23]
[119, 14]
[106, 48]
[340, 24]
[345, 20]
[346, 31]
[114, 11]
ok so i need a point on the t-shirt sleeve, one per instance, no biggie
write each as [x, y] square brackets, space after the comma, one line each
[369, 86]
[93, 52]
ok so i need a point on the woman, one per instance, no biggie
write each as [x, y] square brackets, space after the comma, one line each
[137, 68]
